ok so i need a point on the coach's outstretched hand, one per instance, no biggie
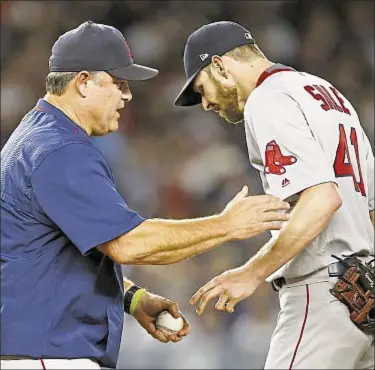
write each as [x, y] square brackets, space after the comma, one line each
[253, 215]
[148, 309]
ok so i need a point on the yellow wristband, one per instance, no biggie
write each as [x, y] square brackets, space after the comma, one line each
[137, 296]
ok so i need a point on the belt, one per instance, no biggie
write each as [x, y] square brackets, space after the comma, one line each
[335, 269]
[278, 283]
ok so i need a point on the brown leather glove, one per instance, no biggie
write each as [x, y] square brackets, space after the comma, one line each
[356, 289]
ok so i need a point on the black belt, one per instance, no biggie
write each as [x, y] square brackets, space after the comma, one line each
[335, 269]
[278, 283]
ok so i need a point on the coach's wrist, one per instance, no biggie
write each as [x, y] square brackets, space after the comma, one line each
[222, 227]
[132, 297]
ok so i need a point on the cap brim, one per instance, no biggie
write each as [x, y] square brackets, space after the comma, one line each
[188, 97]
[134, 72]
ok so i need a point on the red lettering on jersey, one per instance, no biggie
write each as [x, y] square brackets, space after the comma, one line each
[331, 99]
[317, 96]
[343, 164]
[275, 161]
[340, 99]
[354, 141]
[332, 103]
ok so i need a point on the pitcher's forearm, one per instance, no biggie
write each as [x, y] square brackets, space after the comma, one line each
[310, 217]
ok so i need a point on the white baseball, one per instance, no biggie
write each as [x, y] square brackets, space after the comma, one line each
[168, 323]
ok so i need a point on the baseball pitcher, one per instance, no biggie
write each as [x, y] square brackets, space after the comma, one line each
[305, 139]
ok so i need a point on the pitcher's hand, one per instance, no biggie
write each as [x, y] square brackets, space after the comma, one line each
[231, 287]
[248, 216]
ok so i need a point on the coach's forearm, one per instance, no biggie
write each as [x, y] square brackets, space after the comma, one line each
[159, 241]
[169, 257]
[309, 218]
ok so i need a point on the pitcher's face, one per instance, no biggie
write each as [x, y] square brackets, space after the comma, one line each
[219, 95]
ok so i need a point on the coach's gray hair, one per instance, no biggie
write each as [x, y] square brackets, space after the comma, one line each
[57, 82]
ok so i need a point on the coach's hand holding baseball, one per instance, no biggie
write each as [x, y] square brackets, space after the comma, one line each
[148, 309]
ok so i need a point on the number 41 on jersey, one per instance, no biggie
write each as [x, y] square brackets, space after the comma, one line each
[343, 164]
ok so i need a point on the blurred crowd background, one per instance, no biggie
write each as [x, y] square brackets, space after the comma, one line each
[178, 162]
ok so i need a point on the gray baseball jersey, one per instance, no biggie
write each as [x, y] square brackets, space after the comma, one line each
[301, 131]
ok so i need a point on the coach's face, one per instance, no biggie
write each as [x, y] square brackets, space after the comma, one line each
[105, 95]
[219, 93]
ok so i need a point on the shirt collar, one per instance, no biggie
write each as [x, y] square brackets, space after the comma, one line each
[272, 70]
[46, 107]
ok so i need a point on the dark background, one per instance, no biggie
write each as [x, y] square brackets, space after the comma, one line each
[176, 162]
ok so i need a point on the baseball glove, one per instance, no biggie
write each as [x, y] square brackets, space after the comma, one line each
[355, 288]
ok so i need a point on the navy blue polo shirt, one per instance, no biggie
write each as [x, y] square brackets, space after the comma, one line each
[60, 297]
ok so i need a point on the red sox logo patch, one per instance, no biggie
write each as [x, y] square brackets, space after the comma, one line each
[275, 160]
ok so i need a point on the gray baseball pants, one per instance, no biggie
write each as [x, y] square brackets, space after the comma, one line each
[314, 330]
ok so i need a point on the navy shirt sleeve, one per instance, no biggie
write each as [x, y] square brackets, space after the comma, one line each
[74, 187]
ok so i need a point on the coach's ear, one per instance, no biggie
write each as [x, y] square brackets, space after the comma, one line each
[82, 83]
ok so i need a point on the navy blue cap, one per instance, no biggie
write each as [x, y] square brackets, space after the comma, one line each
[97, 47]
[212, 39]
